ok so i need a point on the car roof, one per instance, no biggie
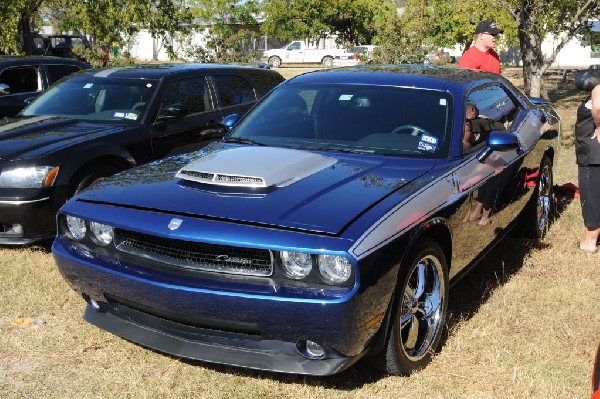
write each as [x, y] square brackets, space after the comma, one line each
[406, 75]
[14, 60]
[157, 71]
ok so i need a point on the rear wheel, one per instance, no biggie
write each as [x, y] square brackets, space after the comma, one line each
[420, 313]
[541, 208]
[327, 62]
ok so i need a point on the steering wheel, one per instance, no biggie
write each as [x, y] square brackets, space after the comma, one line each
[412, 129]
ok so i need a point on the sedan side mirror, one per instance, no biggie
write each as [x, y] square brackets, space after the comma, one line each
[176, 110]
[4, 88]
[500, 141]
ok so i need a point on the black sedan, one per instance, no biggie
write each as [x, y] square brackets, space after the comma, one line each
[99, 122]
[23, 78]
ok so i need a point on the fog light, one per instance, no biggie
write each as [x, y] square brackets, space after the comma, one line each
[310, 350]
[94, 304]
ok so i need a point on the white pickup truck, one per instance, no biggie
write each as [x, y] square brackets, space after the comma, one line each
[297, 52]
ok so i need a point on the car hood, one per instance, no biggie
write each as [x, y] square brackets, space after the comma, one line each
[302, 189]
[31, 136]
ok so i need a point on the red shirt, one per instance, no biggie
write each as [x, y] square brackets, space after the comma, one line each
[474, 58]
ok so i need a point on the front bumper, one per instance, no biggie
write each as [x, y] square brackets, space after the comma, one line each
[26, 221]
[220, 324]
[269, 355]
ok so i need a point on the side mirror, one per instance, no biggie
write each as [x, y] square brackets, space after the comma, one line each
[500, 141]
[4, 88]
[176, 110]
[230, 120]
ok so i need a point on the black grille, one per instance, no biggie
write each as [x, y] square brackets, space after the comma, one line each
[196, 255]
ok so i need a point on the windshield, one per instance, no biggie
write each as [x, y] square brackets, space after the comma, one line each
[353, 118]
[95, 99]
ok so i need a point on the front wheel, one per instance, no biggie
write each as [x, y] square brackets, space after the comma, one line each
[89, 175]
[420, 312]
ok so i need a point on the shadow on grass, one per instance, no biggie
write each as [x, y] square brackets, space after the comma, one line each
[44, 246]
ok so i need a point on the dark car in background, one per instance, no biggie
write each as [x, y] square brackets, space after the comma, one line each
[327, 226]
[23, 78]
[98, 122]
[60, 45]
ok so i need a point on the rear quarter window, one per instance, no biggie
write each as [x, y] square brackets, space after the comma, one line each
[57, 72]
[234, 90]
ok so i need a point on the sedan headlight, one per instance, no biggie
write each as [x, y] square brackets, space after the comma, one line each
[335, 269]
[28, 177]
[296, 265]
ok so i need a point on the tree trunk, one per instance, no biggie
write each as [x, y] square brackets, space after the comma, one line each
[25, 33]
[530, 39]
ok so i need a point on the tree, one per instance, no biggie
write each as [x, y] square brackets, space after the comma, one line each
[353, 21]
[563, 19]
[526, 22]
[232, 25]
[165, 18]
[17, 18]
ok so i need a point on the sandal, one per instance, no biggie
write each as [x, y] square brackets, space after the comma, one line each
[588, 248]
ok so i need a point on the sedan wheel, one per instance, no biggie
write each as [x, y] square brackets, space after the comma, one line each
[421, 312]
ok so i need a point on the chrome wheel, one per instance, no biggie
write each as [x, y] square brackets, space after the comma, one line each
[422, 307]
[544, 198]
[419, 314]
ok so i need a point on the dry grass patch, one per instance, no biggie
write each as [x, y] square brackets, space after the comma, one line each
[524, 324]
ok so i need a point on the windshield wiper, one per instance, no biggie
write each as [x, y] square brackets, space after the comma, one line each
[243, 140]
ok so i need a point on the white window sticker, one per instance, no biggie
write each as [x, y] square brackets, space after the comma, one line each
[429, 139]
[88, 86]
[443, 102]
[119, 115]
[131, 116]
[345, 97]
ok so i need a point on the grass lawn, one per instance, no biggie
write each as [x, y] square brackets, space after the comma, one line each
[524, 324]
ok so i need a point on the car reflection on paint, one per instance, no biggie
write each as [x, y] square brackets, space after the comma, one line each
[327, 226]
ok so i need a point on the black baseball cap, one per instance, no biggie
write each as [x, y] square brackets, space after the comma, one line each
[488, 27]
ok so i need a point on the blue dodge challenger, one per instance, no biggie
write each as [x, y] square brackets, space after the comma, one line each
[328, 225]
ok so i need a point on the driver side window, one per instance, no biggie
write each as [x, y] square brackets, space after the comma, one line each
[488, 108]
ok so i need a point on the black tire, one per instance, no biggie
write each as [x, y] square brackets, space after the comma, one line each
[327, 62]
[274, 62]
[540, 212]
[90, 174]
[419, 314]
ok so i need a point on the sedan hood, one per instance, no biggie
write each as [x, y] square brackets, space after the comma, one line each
[298, 190]
[31, 136]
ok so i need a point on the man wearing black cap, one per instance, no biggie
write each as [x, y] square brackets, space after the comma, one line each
[482, 55]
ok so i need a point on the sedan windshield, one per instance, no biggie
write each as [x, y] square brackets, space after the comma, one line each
[95, 99]
[352, 118]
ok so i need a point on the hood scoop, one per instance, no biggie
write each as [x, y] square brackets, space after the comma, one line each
[254, 167]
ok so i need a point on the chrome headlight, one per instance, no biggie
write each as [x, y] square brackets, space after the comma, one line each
[28, 177]
[103, 233]
[296, 265]
[76, 226]
[335, 269]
